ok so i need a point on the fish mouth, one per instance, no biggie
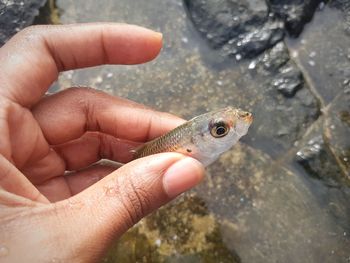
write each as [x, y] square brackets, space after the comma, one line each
[246, 116]
[249, 118]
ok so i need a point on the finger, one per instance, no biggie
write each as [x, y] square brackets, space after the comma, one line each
[39, 53]
[120, 199]
[67, 115]
[14, 182]
[79, 181]
[92, 147]
[50, 166]
[63, 187]
[78, 154]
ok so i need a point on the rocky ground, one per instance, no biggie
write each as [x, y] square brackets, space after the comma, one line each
[15, 15]
[282, 195]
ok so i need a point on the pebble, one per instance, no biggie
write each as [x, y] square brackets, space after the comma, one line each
[311, 63]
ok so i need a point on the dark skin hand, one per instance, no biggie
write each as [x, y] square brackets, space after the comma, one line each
[46, 213]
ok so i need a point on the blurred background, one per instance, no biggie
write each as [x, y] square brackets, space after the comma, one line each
[282, 194]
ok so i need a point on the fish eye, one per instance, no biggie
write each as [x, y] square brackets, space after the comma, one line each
[219, 129]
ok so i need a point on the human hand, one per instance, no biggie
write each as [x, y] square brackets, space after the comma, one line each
[46, 214]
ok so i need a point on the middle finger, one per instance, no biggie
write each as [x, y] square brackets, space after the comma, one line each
[79, 154]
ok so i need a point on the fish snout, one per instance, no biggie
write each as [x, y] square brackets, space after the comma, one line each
[246, 116]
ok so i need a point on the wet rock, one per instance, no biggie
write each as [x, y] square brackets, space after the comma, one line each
[322, 53]
[15, 15]
[272, 60]
[244, 29]
[222, 20]
[295, 13]
[264, 205]
[319, 162]
[337, 131]
[344, 6]
[184, 231]
[251, 44]
[288, 81]
[241, 29]
[279, 80]
[317, 155]
[329, 75]
[286, 77]
[312, 149]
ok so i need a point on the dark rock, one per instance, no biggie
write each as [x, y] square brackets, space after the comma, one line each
[286, 76]
[318, 161]
[288, 81]
[271, 61]
[341, 4]
[240, 28]
[15, 15]
[251, 44]
[295, 13]
[246, 28]
[222, 20]
[317, 158]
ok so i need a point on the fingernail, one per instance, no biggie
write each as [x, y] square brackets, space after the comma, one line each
[182, 176]
[159, 35]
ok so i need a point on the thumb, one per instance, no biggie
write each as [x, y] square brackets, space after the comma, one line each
[111, 206]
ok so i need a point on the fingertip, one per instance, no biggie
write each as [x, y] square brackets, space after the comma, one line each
[182, 176]
[158, 41]
[154, 45]
[159, 36]
[134, 44]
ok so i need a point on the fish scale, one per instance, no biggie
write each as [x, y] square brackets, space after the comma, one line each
[169, 142]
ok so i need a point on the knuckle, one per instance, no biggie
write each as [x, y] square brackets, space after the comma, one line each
[32, 36]
[79, 90]
[33, 32]
[86, 99]
[83, 93]
[30, 30]
[80, 95]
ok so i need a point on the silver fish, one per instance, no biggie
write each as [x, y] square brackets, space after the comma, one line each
[204, 137]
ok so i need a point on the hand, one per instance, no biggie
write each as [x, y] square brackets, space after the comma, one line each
[46, 213]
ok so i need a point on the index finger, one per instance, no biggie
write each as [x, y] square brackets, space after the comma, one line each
[32, 59]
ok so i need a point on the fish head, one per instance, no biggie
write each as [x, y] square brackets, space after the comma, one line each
[216, 132]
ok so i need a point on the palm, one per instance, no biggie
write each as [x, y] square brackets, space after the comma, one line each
[27, 147]
[42, 164]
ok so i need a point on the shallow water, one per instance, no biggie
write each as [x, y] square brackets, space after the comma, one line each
[257, 203]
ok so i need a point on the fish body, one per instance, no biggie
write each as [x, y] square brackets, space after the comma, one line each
[204, 137]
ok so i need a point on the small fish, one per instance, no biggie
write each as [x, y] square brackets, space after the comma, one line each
[204, 137]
